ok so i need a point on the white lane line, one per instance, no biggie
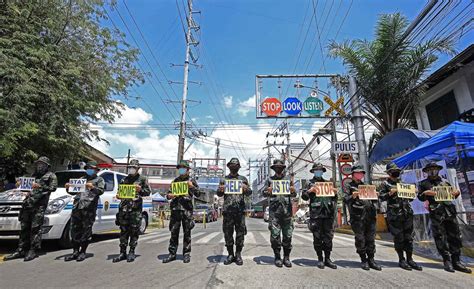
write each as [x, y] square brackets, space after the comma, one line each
[250, 238]
[380, 242]
[266, 236]
[144, 237]
[207, 238]
[162, 239]
[309, 238]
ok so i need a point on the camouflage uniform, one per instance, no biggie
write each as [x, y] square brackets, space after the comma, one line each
[182, 214]
[32, 213]
[234, 216]
[322, 212]
[84, 213]
[129, 216]
[280, 218]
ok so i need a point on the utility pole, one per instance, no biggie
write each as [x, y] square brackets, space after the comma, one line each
[189, 41]
[357, 120]
[217, 142]
[128, 161]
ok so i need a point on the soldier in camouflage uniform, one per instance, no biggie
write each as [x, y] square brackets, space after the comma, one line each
[129, 216]
[444, 225]
[363, 219]
[399, 217]
[322, 212]
[84, 212]
[33, 209]
[280, 222]
[182, 213]
[233, 214]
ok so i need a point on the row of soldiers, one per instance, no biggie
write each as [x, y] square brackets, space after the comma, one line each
[322, 216]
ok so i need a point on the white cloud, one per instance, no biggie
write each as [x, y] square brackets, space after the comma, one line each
[228, 101]
[134, 116]
[209, 117]
[246, 106]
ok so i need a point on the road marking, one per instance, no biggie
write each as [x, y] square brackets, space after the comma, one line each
[250, 238]
[265, 236]
[304, 236]
[207, 238]
[143, 237]
[162, 239]
[380, 242]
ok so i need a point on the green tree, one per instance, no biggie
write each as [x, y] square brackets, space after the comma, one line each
[60, 70]
[389, 70]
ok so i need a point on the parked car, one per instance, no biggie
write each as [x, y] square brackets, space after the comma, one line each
[266, 215]
[57, 217]
[204, 211]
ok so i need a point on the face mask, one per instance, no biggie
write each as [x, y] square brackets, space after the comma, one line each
[182, 171]
[358, 176]
[234, 169]
[395, 174]
[41, 168]
[90, 172]
[318, 174]
[278, 171]
[432, 173]
[132, 171]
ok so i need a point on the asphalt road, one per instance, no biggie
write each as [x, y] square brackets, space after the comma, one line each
[207, 270]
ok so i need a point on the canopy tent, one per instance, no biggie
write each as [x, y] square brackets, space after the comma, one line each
[396, 143]
[456, 140]
[158, 198]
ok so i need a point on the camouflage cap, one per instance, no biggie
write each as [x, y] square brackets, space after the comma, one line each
[44, 159]
[392, 167]
[317, 166]
[432, 165]
[134, 163]
[357, 169]
[91, 165]
[183, 164]
[234, 161]
[278, 163]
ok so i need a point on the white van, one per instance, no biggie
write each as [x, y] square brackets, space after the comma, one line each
[57, 218]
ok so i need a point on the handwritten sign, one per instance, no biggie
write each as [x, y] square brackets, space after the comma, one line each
[324, 189]
[443, 193]
[77, 185]
[406, 191]
[180, 188]
[26, 184]
[367, 192]
[233, 187]
[281, 187]
[127, 191]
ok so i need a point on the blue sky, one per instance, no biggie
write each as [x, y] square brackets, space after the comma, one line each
[238, 39]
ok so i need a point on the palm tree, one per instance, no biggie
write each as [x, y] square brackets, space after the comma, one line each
[389, 70]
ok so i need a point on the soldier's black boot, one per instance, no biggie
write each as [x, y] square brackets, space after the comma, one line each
[31, 255]
[170, 258]
[458, 266]
[230, 257]
[412, 263]
[320, 259]
[74, 255]
[186, 258]
[363, 262]
[238, 256]
[122, 256]
[402, 263]
[373, 264]
[82, 253]
[286, 258]
[278, 261]
[327, 261]
[15, 255]
[131, 255]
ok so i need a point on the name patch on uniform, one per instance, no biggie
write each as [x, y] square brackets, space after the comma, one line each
[180, 188]
[26, 184]
[281, 187]
[324, 189]
[443, 193]
[233, 187]
[367, 192]
[77, 185]
[127, 191]
[406, 191]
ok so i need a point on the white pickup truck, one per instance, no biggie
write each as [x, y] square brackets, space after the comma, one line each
[58, 214]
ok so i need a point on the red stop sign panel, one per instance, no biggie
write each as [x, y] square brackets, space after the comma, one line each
[271, 106]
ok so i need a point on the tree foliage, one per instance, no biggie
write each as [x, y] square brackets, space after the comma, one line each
[60, 70]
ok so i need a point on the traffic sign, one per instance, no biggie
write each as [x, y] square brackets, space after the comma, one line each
[271, 106]
[313, 106]
[292, 106]
[337, 106]
[345, 169]
[346, 181]
[347, 147]
[345, 158]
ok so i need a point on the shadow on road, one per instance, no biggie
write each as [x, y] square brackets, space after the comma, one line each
[305, 262]
[264, 260]
[215, 259]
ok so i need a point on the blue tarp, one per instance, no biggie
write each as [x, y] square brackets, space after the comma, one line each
[158, 198]
[444, 145]
[397, 142]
